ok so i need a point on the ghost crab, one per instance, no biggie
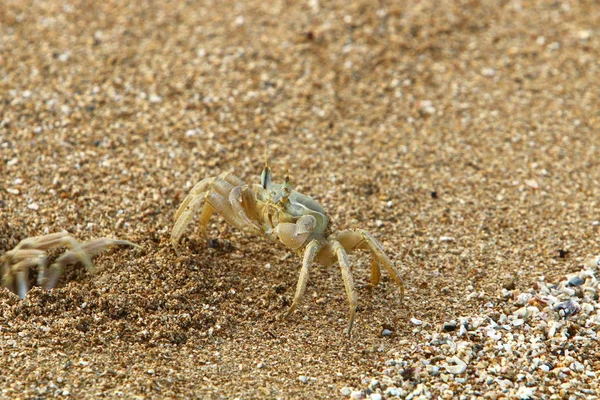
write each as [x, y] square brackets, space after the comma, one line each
[31, 252]
[279, 212]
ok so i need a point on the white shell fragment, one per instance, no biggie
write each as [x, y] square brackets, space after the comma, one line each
[458, 368]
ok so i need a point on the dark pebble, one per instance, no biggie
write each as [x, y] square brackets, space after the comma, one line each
[575, 281]
[449, 326]
[570, 307]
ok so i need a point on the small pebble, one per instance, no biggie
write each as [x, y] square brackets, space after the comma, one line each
[303, 378]
[417, 322]
[523, 298]
[525, 392]
[357, 395]
[346, 391]
[449, 326]
[386, 332]
[567, 308]
[155, 99]
[575, 281]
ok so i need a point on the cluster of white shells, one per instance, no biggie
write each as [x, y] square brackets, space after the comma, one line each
[549, 335]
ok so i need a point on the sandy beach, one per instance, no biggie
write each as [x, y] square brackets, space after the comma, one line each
[463, 135]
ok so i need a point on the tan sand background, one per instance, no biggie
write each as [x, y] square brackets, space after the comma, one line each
[110, 111]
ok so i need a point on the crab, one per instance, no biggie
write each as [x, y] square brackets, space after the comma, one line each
[30, 252]
[293, 218]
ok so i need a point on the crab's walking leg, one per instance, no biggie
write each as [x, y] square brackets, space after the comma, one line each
[212, 194]
[52, 240]
[342, 256]
[219, 197]
[309, 255]
[187, 209]
[197, 191]
[382, 259]
[91, 248]
[375, 272]
[17, 279]
[243, 205]
[231, 178]
[361, 239]
[43, 242]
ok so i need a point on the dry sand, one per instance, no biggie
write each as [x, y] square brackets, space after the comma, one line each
[463, 135]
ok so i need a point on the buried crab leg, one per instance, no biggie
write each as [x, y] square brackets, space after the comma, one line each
[91, 248]
[188, 215]
[348, 283]
[17, 280]
[309, 255]
[47, 242]
[30, 252]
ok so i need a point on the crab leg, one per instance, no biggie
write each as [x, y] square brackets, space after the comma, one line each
[375, 272]
[187, 209]
[210, 194]
[348, 282]
[91, 248]
[243, 206]
[361, 239]
[231, 178]
[309, 255]
[53, 240]
[382, 258]
[17, 278]
[43, 242]
[197, 192]
[222, 205]
[197, 198]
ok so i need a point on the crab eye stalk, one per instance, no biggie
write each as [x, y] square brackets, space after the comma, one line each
[286, 190]
[265, 177]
